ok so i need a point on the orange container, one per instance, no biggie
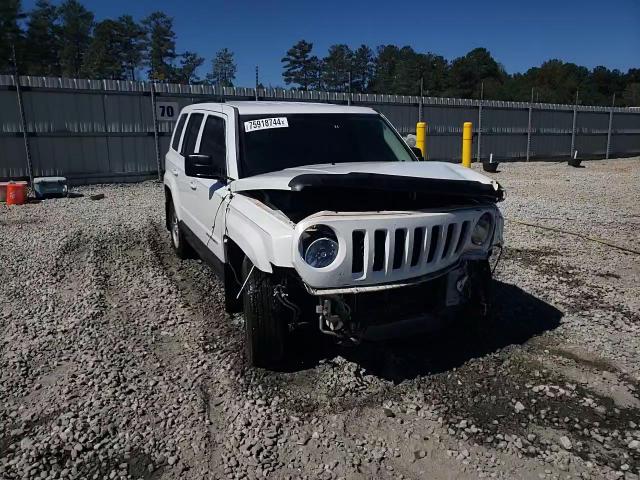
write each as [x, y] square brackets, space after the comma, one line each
[16, 193]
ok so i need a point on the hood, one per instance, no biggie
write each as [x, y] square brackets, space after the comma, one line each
[370, 175]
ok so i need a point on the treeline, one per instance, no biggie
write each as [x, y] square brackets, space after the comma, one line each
[400, 70]
[65, 40]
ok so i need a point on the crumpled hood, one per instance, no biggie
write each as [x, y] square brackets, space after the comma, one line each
[284, 179]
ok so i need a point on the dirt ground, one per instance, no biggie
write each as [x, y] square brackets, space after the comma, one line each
[118, 361]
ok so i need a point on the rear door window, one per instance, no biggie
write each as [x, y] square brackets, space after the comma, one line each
[177, 133]
[191, 134]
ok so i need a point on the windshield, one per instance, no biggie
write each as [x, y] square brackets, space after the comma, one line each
[275, 142]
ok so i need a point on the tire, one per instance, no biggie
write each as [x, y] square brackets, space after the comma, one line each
[178, 241]
[266, 331]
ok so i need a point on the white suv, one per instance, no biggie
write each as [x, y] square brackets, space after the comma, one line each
[321, 214]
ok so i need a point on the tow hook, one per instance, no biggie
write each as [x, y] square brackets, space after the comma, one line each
[327, 318]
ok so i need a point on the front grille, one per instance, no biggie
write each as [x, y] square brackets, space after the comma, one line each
[407, 248]
[384, 247]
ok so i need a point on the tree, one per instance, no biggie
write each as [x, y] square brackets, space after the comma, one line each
[10, 33]
[132, 45]
[469, 72]
[75, 36]
[160, 46]
[557, 82]
[300, 67]
[362, 68]
[336, 67]
[384, 75]
[189, 63]
[224, 69]
[104, 58]
[43, 40]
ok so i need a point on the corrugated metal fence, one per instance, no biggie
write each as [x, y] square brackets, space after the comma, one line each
[104, 130]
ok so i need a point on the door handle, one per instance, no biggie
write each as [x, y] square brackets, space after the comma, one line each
[193, 185]
[175, 171]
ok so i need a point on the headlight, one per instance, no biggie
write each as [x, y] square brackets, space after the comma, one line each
[319, 246]
[482, 230]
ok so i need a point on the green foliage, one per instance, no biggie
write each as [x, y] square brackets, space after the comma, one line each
[300, 67]
[223, 69]
[75, 35]
[336, 67]
[400, 70]
[132, 38]
[362, 68]
[43, 40]
[189, 63]
[160, 46]
[10, 33]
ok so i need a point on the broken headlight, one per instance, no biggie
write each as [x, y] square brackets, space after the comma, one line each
[482, 230]
[319, 246]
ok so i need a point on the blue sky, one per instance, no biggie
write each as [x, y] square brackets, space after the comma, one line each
[518, 34]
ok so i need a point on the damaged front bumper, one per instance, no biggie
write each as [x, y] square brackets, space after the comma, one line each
[423, 305]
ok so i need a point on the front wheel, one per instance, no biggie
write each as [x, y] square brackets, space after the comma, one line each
[178, 242]
[266, 329]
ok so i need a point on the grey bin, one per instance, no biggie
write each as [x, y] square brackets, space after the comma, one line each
[50, 187]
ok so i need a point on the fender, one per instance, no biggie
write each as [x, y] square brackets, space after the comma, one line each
[171, 183]
[264, 238]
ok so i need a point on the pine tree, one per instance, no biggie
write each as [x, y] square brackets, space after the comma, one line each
[132, 45]
[362, 68]
[43, 40]
[336, 67]
[11, 35]
[75, 35]
[189, 64]
[160, 46]
[104, 57]
[300, 67]
[224, 69]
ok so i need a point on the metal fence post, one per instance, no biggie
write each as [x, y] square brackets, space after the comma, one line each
[23, 120]
[613, 103]
[529, 127]
[420, 103]
[573, 128]
[480, 122]
[156, 135]
[105, 124]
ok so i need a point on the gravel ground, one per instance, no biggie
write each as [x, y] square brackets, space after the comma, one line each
[118, 361]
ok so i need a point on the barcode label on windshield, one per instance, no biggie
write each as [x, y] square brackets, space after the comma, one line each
[264, 123]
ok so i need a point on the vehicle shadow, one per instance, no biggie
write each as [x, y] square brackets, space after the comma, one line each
[518, 316]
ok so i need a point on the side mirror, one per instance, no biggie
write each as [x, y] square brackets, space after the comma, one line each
[202, 166]
[417, 152]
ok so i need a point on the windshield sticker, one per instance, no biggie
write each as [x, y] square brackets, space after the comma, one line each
[264, 123]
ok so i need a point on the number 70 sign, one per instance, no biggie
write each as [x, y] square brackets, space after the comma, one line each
[167, 110]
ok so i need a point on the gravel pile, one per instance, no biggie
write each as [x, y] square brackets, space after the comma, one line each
[118, 361]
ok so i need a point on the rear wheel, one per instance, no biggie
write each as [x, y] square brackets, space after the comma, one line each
[178, 242]
[266, 329]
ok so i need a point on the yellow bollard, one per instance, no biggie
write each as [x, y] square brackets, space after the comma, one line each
[421, 138]
[467, 136]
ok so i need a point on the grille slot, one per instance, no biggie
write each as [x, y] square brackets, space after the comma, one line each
[398, 247]
[433, 243]
[418, 236]
[462, 239]
[357, 262]
[448, 240]
[379, 249]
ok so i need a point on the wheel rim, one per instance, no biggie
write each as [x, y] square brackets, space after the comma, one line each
[175, 230]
